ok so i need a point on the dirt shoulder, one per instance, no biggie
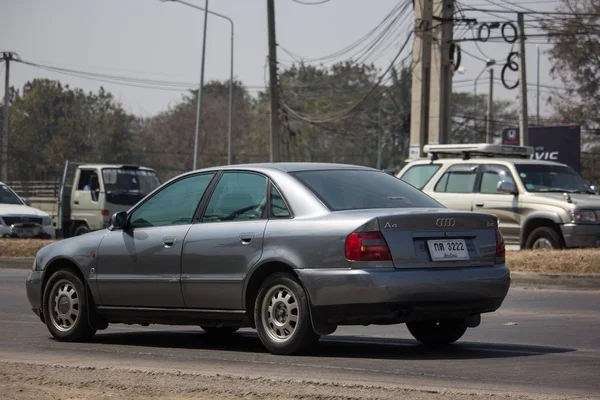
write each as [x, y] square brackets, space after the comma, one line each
[20, 381]
[577, 261]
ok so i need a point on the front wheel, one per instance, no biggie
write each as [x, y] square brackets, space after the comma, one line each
[437, 333]
[65, 308]
[544, 238]
[282, 316]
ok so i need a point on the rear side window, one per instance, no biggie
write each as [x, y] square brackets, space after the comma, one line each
[419, 175]
[360, 189]
[457, 180]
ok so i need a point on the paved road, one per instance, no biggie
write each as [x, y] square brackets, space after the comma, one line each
[540, 342]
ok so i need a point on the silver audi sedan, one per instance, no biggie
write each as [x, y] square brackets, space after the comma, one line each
[293, 250]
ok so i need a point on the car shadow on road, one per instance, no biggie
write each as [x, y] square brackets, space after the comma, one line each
[330, 346]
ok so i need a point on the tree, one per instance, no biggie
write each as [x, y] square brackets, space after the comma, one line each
[469, 123]
[575, 58]
[341, 113]
[167, 140]
[51, 123]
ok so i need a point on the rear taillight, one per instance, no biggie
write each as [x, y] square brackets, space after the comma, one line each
[367, 246]
[500, 248]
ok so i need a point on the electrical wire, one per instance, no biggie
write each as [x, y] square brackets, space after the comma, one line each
[359, 103]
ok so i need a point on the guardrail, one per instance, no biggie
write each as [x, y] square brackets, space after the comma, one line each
[35, 188]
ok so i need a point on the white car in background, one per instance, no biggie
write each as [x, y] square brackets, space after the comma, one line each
[18, 220]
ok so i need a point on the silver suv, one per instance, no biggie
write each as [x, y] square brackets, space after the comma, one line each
[539, 204]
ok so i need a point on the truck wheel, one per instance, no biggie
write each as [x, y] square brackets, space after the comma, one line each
[81, 230]
[544, 238]
[281, 315]
[437, 333]
[65, 308]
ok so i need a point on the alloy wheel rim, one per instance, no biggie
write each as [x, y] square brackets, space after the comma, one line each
[542, 244]
[280, 313]
[64, 307]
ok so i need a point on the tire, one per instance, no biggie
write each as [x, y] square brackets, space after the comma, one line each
[67, 318]
[437, 333]
[544, 238]
[81, 230]
[290, 331]
[222, 331]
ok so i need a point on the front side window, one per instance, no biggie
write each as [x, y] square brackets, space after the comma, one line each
[491, 178]
[362, 189]
[419, 175]
[551, 178]
[239, 196]
[459, 179]
[7, 196]
[174, 205]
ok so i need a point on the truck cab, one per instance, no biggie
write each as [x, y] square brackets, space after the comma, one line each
[99, 191]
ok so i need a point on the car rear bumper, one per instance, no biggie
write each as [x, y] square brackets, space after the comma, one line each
[579, 235]
[393, 295]
[33, 286]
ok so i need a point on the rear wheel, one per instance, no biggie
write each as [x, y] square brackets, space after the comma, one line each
[281, 314]
[544, 238]
[439, 332]
[65, 308]
[215, 331]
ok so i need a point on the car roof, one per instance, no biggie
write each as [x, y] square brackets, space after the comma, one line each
[487, 160]
[293, 167]
[117, 166]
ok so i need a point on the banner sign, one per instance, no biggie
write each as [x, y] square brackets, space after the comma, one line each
[551, 143]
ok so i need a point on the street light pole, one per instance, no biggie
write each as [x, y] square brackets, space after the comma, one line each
[230, 118]
[488, 64]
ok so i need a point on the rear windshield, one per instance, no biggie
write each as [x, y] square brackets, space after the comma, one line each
[360, 189]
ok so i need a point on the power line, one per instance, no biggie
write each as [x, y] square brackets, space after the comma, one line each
[360, 102]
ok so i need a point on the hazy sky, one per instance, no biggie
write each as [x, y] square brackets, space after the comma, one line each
[162, 41]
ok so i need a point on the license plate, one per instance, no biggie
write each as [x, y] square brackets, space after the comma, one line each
[448, 250]
[26, 232]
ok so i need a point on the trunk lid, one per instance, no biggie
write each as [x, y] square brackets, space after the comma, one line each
[439, 238]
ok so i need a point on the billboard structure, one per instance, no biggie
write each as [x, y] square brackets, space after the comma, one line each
[551, 143]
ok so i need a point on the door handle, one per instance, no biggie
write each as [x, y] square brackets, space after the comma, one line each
[479, 204]
[76, 202]
[169, 241]
[246, 237]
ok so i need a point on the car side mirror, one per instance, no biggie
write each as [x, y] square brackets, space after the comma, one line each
[594, 189]
[26, 201]
[506, 187]
[119, 220]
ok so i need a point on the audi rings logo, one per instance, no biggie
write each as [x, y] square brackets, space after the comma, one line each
[445, 222]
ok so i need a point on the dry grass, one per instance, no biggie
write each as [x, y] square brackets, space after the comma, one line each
[579, 261]
[21, 247]
[576, 261]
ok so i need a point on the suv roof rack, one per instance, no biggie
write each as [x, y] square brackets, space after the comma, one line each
[477, 149]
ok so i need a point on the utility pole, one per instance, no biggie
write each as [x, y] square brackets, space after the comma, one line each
[538, 86]
[200, 90]
[273, 85]
[6, 126]
[441, 72]
[490, 110]
[524, 117]
[421, 67]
